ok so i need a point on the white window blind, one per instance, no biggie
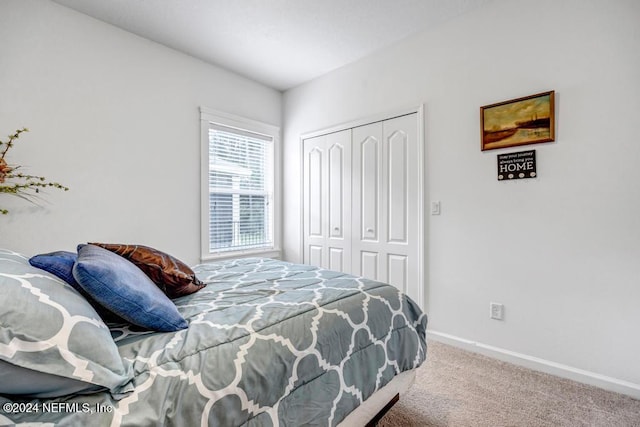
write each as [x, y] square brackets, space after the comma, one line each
[240, 189]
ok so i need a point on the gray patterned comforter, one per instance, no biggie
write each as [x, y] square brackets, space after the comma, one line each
[269, 343]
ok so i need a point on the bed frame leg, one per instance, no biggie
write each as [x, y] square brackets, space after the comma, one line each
[383, 411]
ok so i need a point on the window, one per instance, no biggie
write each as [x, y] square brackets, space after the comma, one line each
[238, 186]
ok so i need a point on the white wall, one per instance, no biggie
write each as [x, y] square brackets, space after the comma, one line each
[561, 252]
[114, 117]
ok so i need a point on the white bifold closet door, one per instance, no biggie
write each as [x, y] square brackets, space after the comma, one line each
[362, 202]
[327, 201]
[386, 234]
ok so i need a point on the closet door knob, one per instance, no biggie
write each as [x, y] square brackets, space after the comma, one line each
[369, 230]
[336, 228]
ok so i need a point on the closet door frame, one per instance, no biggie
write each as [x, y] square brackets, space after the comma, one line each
[422, 223]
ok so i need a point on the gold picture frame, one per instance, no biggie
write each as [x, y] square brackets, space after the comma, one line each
[521, 121]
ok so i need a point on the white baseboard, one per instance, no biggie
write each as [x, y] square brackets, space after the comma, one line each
[542, 365]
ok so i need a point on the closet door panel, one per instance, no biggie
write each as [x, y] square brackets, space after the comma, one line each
[397, 196]
[336, 259]
[367, 201]
[403, 180]
[314, 194]
[327, 201]
[314, 190]
[369, 265]
[397, 268]
[315, 255]
[369, 188]
[367, 168]
[336, 191]
[338, 200]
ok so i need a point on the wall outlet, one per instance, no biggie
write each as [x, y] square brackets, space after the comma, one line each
[496, 311]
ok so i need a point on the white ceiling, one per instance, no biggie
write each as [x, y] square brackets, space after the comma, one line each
[280, 43]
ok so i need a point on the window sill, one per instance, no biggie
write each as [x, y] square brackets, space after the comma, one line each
[264, 253]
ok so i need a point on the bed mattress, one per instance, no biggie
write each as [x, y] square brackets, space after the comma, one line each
[269, 343]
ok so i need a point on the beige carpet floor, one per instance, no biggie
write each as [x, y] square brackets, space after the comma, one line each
[458, 388]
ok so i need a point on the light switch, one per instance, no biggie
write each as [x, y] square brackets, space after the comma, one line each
[435, 207]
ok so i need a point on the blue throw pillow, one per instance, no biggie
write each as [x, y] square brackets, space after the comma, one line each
[58, 263]
[124, 289]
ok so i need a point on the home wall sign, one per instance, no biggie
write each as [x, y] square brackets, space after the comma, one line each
[520, 121]
[519, 165]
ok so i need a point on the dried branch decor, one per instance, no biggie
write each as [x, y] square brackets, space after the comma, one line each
[16, 183]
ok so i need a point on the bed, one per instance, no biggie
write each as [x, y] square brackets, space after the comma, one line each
[266, 343]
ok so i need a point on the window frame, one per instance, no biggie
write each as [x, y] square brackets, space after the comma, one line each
[207, 117]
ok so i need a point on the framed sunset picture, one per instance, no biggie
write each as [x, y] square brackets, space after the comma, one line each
[521, 121]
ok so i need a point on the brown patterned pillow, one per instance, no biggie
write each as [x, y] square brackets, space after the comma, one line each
[170, 274]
